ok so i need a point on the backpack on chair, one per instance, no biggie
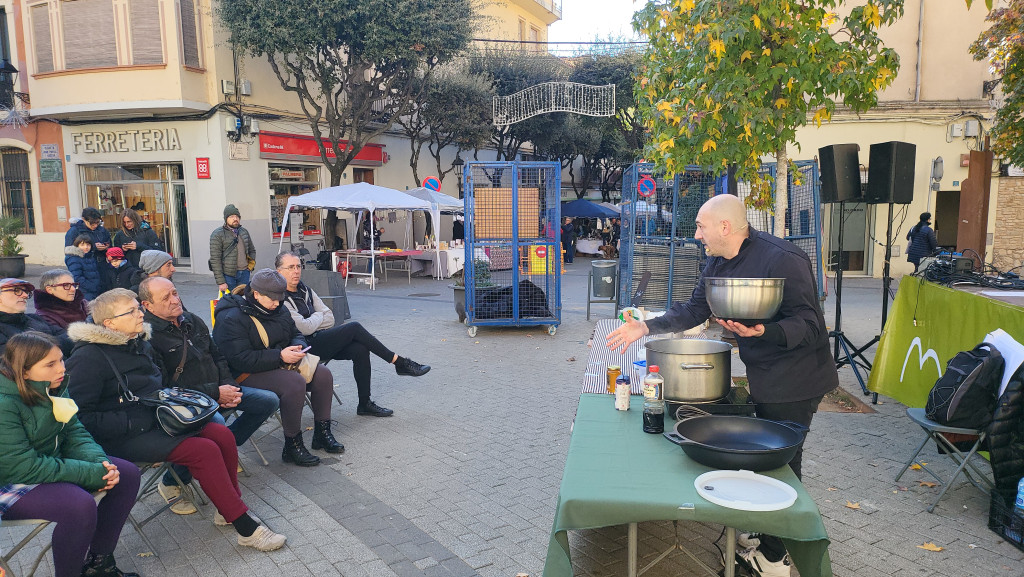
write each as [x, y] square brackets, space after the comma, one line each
[965, 395]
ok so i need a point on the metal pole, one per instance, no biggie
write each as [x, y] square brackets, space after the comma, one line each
[886, 280]
[839, 282]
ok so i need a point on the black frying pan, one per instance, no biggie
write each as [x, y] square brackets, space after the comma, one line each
[734, 442]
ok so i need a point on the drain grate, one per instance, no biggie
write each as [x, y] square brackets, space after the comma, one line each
[425, 294]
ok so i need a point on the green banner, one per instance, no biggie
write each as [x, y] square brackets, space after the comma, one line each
[927, 326]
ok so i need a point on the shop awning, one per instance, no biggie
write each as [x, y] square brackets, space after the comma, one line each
[282, 146]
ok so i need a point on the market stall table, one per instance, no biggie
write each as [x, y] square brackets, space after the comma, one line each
[589, 245]
[929, 324]
[371, 256]
[441, 264]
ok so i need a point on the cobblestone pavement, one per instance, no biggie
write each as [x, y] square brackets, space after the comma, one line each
[464, 479]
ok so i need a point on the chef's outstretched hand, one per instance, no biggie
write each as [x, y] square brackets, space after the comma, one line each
[741, 329]
[630, 331]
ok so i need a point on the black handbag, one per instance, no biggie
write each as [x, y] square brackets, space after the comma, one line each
[178, 411]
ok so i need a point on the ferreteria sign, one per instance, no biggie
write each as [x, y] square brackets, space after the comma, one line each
[141, 140]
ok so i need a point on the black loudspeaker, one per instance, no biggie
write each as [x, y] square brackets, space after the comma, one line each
[891, 173]
[840, 173]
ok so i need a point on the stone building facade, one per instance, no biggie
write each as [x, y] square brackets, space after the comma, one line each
[1008, 240]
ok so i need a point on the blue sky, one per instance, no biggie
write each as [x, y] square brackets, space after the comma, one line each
[583, 20]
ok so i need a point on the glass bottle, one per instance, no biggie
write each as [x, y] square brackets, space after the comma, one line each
[654, 404]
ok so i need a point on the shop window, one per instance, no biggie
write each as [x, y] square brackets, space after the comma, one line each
[286, 181]
[40, 14]
[17, 188]
[189, 35]
[147, 44]
[89, 38]
[146, 188]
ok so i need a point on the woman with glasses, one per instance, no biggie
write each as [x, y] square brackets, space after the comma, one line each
[258, 339]
[133, 238]
[58, 300]
[50, 465]
[114, 348]
[14, 294]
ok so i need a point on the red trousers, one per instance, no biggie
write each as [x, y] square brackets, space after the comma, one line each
[212, 457]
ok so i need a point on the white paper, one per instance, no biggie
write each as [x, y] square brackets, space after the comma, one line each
[1012, 351]
[1012, 294]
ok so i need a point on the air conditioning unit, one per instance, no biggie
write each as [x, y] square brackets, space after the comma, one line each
[245, 88]
[227, 86]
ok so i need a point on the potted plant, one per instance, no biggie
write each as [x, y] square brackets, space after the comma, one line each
[481, 278]
[12, 262]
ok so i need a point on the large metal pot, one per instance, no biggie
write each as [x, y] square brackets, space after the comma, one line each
[695, 370]
[733, 442]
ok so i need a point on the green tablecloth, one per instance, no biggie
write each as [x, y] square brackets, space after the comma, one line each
[617, 474]
[911, 357]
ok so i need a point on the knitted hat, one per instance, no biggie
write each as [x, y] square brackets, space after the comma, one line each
[269, 283]
[229, 210]
[6, 282]
[114, 252]
[152, 260]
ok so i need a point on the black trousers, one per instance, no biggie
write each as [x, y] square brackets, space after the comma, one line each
[350, 342]
[799, 412]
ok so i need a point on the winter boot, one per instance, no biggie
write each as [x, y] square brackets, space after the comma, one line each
[407, 367]
[295, 452]
[324, 439]
[372, 409]
[103, 566]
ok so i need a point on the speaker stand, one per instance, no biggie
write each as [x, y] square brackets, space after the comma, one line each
[852, 355]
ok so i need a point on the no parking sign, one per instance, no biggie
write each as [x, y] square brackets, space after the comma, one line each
[432, 183]
[646, 186]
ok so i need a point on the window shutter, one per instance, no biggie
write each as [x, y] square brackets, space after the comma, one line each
[189, 34]
[41, 37]
[89, 40]
[147, 47]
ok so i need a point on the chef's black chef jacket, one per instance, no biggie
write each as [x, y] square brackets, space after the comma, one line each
[792, 361]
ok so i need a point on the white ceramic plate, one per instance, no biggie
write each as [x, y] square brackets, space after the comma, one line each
[745, 490]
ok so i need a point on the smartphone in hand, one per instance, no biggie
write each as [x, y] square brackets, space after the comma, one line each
[306, 349]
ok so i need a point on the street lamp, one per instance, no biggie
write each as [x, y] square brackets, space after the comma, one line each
[8, 76]
[458, 163]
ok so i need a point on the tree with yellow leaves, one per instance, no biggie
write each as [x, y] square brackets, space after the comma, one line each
[726, 82]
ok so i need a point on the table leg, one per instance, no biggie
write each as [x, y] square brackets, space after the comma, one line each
[632, 550]
[730, 552]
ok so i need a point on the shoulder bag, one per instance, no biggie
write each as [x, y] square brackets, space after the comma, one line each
[178, 411]
[305, 367]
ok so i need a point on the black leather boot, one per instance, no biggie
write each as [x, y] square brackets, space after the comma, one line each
[408, 367]
[295, 452]
[372, 409]
[103, 566]
[324, 439]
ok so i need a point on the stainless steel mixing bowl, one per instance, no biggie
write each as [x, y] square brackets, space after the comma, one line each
[751, 299]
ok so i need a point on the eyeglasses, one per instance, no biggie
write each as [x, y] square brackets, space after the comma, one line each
[18, 291]
[138, 310]
[66, 285]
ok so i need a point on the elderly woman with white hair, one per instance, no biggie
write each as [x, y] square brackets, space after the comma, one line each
[58, 300]
[112, 352]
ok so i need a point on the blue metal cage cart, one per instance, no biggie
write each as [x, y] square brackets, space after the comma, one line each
[513, 254]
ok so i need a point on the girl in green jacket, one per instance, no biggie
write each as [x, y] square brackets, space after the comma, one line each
[49, 464]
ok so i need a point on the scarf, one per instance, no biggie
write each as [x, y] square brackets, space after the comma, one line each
[250, 299]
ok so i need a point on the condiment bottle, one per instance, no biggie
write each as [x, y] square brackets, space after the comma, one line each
[654, 405]
[613, 373]
[622, 393]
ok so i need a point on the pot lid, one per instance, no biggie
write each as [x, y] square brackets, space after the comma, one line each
[745, 490]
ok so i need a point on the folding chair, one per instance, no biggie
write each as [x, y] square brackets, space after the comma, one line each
[934, 431]
[39, 524]
[149, 487]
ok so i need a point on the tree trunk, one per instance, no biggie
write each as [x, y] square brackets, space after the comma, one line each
[781, 191]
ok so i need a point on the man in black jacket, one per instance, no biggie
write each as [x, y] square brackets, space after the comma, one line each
[200, 366]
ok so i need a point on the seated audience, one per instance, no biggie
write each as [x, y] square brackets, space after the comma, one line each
[258, 361]
[118, 272]
[83, 267]
[188, 358]
[112, 352]
[58, 300]
[49, 465]
[349, 341]
[153, 263]
[134, 238]
[14, 294]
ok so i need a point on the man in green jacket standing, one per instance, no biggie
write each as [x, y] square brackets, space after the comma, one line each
[232, 254]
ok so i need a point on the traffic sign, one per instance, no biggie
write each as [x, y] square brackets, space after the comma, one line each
[646, 187]
[542, 252]
[432, 183]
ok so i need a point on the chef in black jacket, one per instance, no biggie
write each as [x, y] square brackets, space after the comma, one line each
[789, 364]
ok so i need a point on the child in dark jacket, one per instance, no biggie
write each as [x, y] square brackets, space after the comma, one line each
[83, 267]
[118, 272]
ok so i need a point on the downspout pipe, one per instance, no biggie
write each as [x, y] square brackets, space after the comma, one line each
[920, 46]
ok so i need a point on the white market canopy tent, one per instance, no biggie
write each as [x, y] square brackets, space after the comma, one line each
[357, 198]
[445, 203]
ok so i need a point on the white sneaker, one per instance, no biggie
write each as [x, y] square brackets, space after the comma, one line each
[263, 539]
[220, 521]
[762, 567]
[747, 541]
[172, 494]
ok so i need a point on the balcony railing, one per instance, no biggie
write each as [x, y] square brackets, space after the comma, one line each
[553, 6]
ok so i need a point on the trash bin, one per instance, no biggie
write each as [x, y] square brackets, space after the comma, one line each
[603, 272]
